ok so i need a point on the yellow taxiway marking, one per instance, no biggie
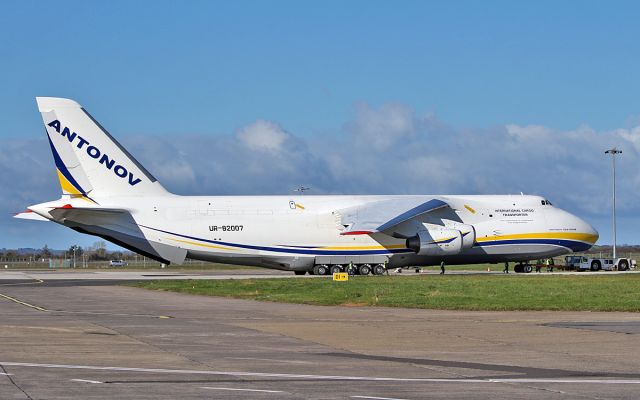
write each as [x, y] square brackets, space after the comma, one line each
[24, 303]
[35, 307]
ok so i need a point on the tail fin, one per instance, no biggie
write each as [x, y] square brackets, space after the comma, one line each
[89, 161]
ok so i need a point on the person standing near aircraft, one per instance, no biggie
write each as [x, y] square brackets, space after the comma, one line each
[442, 268]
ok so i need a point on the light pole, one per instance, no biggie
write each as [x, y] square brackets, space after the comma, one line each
[613, 153]
[74, 247]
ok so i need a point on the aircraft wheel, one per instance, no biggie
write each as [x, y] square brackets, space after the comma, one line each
[365, 269]
[595, 265]
[527, 269]
[379, 269]
[320, 269]
[335, 269]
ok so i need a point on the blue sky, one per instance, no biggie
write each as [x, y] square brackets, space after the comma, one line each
[559, 80]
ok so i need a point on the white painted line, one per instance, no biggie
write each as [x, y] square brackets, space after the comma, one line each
[242, 390]
[376, 398]
[5, 374]
[321, 377]
[269, 359]
[85, 381]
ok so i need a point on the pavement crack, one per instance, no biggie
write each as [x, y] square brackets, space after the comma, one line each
[556, 391]
[13, 382]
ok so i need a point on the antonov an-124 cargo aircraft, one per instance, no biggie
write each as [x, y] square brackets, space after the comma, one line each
[107, 193]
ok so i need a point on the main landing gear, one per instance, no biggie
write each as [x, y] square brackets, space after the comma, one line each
[352, 269]
[523, 267]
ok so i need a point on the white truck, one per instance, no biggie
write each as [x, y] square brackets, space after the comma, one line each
[607, 264]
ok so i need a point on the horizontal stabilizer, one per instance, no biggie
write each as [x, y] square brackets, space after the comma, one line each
[28, 214]
[86, 215]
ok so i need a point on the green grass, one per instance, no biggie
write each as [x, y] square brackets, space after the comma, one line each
[455, 292]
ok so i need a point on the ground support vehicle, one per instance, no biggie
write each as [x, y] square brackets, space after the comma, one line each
[606, 264]
[572, 262]
[547, 263]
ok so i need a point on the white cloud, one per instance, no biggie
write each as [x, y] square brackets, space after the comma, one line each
[383, 127]
[263, 135]
[528, 132]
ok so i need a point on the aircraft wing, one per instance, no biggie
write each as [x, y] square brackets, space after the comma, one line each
[385, 215]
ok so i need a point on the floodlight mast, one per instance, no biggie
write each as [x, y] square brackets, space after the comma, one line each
[613, 153]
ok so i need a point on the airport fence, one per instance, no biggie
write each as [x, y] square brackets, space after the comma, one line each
[139, 262]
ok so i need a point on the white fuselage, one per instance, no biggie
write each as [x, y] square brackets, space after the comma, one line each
[296, 232]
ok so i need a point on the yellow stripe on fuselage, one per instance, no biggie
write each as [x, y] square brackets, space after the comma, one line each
[393, 246]
[211, 246]
[582, 237]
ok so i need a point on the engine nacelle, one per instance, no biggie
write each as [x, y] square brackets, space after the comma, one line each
[435, 242]
[468, 232]
[468, 235]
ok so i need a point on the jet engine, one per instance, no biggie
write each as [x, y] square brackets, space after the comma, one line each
[468, 235]
[436, 241]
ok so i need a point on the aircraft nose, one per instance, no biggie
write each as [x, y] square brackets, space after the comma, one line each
[591, 234]
[592, 231]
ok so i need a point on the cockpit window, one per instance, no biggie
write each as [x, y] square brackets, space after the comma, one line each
[546, 202]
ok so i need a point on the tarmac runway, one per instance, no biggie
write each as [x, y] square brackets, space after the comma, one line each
[90, 339]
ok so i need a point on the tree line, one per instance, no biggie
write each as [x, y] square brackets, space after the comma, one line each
[96, 252]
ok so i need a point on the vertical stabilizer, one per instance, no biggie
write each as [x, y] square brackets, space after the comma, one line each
[89, 161]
